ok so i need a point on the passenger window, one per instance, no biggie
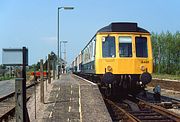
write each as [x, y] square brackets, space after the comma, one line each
[125, 46]
[108, 46]
[141, 47]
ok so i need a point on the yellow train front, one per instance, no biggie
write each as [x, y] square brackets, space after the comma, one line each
[120, 55]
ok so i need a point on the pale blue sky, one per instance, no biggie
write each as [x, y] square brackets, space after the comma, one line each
[33, 23]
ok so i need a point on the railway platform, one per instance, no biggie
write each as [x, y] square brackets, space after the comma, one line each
[75, 100]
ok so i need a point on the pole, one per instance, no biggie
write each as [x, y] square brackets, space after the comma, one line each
[60, 60]
[20, 110]
[26, 116]
[34, 100]
[24, 82]
[46, 72]
[65, 52]
[58, 39]
[42, 81]
[49, 71]
[35, 92]
[65, 57]
[20, 90]
[59, 42]
[54, 68]
[58, 32]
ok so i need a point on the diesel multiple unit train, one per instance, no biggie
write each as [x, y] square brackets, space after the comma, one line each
[119, 57]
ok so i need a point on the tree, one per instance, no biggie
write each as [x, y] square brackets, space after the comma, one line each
[166, 52]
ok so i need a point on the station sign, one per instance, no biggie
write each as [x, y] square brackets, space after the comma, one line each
[14, 57]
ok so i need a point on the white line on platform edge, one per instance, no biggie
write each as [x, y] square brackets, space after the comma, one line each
[85, 80]
[80, 112]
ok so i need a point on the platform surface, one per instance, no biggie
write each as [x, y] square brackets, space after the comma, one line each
[75, 100]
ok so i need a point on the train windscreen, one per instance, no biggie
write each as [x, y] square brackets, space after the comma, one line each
[125, 46]
[108, 46]
[141, 47]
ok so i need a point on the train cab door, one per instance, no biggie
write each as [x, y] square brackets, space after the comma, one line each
[125, 62]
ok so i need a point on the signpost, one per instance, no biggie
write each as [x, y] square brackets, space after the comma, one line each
[18, 57]
[14, 57]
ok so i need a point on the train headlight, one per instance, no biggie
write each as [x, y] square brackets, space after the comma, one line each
[109, 68]
[143, 68]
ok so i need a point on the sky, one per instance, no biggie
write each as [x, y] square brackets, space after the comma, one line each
[33, 23]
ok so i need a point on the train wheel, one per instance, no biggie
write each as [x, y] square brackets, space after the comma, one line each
[108, 92]
[125, 89]
[92, 78]
[115, 90]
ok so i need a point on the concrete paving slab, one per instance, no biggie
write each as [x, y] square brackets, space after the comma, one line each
[75, 100]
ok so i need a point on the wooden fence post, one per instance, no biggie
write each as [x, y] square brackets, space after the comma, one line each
[49, 70]
[41, 81]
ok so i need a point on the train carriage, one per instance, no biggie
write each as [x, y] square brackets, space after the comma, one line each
[120, 55]
[79, 62]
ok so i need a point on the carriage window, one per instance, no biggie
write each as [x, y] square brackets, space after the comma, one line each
[141, 47]
[108, 46]
[125, 46]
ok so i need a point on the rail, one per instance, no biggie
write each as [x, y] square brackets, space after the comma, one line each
[161, 110]
[7, 104]
[147, 112]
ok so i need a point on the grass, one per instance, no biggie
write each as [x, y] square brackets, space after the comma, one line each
[166, 76]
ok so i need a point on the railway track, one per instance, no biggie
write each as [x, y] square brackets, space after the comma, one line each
[166, 102]
[138, 110]
[7, 104]
[142, 109]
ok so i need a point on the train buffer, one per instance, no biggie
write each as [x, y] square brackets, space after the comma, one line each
[75, 100]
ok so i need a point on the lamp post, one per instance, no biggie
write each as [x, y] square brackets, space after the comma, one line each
[64, 50]
[65, 8]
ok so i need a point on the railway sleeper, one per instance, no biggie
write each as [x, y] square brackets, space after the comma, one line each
[166, 105]
[157, 117]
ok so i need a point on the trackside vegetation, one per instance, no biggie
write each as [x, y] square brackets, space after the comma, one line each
[166, 53]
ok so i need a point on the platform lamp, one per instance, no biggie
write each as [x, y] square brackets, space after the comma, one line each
[59, 8]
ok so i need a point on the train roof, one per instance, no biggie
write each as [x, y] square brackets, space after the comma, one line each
[122, 27]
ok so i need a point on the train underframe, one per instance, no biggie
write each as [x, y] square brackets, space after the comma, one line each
[122, 85]
[113, 85]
